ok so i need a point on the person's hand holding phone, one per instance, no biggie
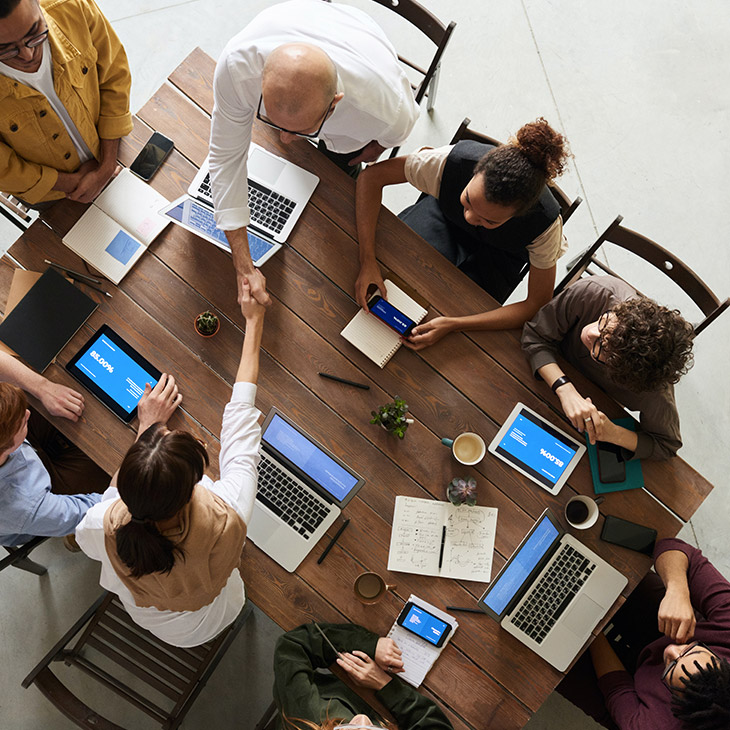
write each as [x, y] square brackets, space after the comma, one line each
[370, 275]
[428, 333]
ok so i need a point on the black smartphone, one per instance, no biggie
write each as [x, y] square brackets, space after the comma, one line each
[394, 318]
[424, 624]
[152, 155]
[629, 534]
[611, 464]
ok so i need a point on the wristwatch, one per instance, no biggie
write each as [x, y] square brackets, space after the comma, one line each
[562, 380]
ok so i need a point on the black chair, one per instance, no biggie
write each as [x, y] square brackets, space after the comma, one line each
[567, 207]
[161, 680]
[657, 256]
[15, 211]
[18, 557]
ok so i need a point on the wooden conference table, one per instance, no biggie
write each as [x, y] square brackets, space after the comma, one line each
[484, 678]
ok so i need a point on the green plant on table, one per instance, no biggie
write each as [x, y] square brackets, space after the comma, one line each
[207, 323]
[462, 491]
[393, 417]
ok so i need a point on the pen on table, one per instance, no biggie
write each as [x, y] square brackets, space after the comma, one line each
[50, 228]
[92, 286]
[443, 542]
[346, 382]
[463, 608]
[76, 274]
[333, 540]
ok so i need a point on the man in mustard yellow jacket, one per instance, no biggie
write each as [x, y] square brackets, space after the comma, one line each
[64, 99]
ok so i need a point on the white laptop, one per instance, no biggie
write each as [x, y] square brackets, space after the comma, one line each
[552, 592]
[301, 491]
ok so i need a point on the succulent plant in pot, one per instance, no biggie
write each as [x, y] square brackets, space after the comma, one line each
[393, 417]
[462, 491]
[207, 324]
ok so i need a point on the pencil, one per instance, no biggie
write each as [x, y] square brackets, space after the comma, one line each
[346, 382]
[91, 286]
[325, 552]
[76, 274]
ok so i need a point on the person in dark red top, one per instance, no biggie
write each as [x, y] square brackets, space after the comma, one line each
[674, 636]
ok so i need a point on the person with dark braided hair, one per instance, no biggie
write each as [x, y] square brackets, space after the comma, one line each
[487, 209]
[635, 349]
[663, 662]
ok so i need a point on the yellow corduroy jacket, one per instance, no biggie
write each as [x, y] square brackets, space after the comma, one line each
[92, 79]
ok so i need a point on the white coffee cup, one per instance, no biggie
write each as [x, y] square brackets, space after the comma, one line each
[582, 512]
[468, 448]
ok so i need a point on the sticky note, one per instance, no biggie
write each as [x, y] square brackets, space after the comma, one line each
[122, 247]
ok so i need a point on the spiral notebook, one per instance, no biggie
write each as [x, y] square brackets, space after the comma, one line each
[375, 339]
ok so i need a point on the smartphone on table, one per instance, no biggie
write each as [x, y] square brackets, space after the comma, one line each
[388, 314]
[424, 624]
[628, 534]
[151, 156]
[611, 463]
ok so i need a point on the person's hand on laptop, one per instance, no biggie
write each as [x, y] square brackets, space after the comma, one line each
[369, 275]
[159, 403]
[61, 401]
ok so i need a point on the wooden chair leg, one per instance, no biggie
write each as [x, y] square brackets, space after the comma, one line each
[30, 566]
[266, 717]
[433, 89]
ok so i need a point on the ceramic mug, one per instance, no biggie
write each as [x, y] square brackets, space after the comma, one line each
[370, 588]
[468, 448]
[582, 512]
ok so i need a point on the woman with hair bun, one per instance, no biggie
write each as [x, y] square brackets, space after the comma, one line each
[487, 209]
[169, 538]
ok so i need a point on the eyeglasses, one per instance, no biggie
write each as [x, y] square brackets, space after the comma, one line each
[600, 341]
[350, 726]
[669, 670]
[261, 117]
[36, 40]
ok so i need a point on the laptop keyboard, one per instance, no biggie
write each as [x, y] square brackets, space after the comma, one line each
[288, 499]
[269, 210]
[550, 597]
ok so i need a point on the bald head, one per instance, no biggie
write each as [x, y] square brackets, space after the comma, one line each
[298, 82]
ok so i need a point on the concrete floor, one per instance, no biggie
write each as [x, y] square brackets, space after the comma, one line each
[626, 82]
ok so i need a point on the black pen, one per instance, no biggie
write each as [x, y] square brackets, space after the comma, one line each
[92, 286]
[76, 274]
[333, 540]
[346, 382]
[463, 608]
[443, 542]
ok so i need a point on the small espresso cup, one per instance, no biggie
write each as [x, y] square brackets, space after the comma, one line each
[370, 588]
[582, 512]
[468, 448]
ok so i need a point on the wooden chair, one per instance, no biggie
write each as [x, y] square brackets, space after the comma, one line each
[567, 207]
[161, 680]
[660, 258]
[15, 211]
[18, 557]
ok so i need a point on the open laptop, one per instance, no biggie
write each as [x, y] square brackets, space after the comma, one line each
[552, 592]
[301, 491]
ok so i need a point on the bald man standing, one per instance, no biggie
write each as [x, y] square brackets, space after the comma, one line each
[309, 69]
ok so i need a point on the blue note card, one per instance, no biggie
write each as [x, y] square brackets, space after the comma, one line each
[122, 247]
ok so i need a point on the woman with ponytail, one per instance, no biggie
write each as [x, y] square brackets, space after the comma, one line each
[169, 538]
[487, 209]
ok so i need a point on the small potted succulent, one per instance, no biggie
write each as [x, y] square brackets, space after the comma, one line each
[207, 324]
[393, 417]
[462, 491]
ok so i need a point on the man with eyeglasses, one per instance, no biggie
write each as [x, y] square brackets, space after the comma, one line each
[663, 662]
[64, 100]
[633, 348]
[308, 697]
[309, 69]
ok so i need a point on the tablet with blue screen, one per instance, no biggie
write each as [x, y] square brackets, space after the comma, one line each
[114, 372]
[537, 449]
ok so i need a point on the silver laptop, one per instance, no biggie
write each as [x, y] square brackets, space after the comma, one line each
[552, 592]
[301, 491]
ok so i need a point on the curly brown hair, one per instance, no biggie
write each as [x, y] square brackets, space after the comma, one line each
[649, 347]
[515, 173]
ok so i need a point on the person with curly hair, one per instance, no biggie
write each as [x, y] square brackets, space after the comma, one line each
[487, 209]
[663, 662]
[635, 349]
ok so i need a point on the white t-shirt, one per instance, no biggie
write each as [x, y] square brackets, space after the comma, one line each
[42, 81]
[378, 102]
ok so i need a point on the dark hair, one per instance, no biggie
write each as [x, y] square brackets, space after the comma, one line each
[516, 173]
[7, 7]
[13, 405]
[704, 703]
[156, 480]
[650, 346]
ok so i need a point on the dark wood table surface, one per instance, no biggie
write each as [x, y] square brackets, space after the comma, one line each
[485, 677]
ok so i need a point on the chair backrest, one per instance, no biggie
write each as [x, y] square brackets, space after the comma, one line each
[657, 256]
[567, 207]
[165, 680]
[15, 211]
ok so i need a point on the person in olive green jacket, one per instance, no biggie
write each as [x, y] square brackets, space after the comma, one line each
[310, 699]
[64, 99]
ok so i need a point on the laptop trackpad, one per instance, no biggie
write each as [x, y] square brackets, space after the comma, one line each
[583, 615]
[265, 168]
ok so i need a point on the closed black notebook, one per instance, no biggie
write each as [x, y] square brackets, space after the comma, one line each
[45, 319]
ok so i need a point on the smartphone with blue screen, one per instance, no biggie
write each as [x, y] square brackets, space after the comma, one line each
[424, 624]
[387, 313]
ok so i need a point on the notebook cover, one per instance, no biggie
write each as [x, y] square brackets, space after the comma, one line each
[45, 319]
[634, 475]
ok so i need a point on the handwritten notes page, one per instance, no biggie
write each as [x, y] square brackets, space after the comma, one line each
[415, 541]
[417, 654]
